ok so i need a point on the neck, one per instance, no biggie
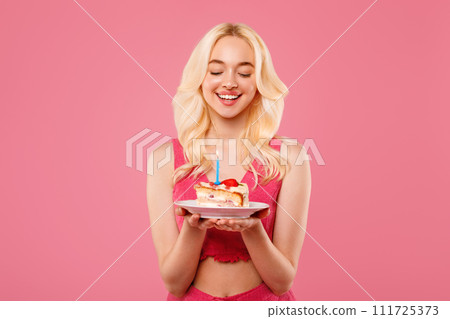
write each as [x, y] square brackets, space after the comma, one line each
[226, 128]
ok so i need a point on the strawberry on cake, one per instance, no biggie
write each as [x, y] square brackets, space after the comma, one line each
[229, 193]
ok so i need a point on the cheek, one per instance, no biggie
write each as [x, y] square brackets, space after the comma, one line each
[210, 84]
[249, 84]
[250, 88]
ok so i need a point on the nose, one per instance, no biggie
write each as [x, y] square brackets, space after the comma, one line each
[229, 81]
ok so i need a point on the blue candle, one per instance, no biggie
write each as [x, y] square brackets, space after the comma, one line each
[217, 169]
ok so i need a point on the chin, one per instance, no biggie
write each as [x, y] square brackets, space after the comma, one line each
[228, 114]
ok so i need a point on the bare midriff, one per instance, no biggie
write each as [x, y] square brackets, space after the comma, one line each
[223, 279]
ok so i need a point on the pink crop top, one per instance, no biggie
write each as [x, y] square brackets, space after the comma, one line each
[226, 246]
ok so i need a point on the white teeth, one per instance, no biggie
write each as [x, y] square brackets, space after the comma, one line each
[228, 97]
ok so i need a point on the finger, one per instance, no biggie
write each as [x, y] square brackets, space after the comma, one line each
[227, 228]
[262, 213]
[181, 211]
[194, 220]
[236, 226]
[232, 224]
[222, 221]
[207, 223]
[243, 222]
[213, 220]
[220, 227]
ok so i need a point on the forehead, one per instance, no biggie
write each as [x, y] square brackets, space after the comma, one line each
[232, 50]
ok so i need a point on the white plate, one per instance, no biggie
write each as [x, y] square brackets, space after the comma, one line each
[221, 212]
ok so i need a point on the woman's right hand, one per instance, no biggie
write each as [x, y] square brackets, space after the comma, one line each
[194, 220]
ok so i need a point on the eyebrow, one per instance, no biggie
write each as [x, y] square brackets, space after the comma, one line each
[239, 64]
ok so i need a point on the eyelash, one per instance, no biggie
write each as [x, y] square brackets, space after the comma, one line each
[241, 74]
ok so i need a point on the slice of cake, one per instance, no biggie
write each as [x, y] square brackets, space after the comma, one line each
[229, 193]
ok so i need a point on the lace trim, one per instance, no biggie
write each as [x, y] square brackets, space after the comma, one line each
[227, 257]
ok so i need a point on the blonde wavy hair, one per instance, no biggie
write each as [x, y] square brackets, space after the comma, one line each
[264, 116]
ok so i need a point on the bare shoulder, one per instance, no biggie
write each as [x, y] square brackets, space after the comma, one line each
[160, 162]
[295, 154]
[299, 166]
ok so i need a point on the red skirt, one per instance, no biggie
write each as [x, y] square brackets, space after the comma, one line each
[259, 293]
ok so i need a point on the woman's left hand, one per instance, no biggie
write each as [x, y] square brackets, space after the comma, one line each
[241, 224]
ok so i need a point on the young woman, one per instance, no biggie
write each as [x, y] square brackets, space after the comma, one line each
[230, 93]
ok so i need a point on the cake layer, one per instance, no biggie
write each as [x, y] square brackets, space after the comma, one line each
[210, 194]
[219, 196]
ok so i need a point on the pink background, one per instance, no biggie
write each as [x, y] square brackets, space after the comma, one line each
[374, 104]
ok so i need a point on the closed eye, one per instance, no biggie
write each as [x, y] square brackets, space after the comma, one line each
[244, 75]
[216, 73]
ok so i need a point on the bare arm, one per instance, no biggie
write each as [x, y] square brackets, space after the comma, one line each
[178, 251]
[277, 261]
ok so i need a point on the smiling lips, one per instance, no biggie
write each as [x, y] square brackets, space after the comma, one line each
[228, 97]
